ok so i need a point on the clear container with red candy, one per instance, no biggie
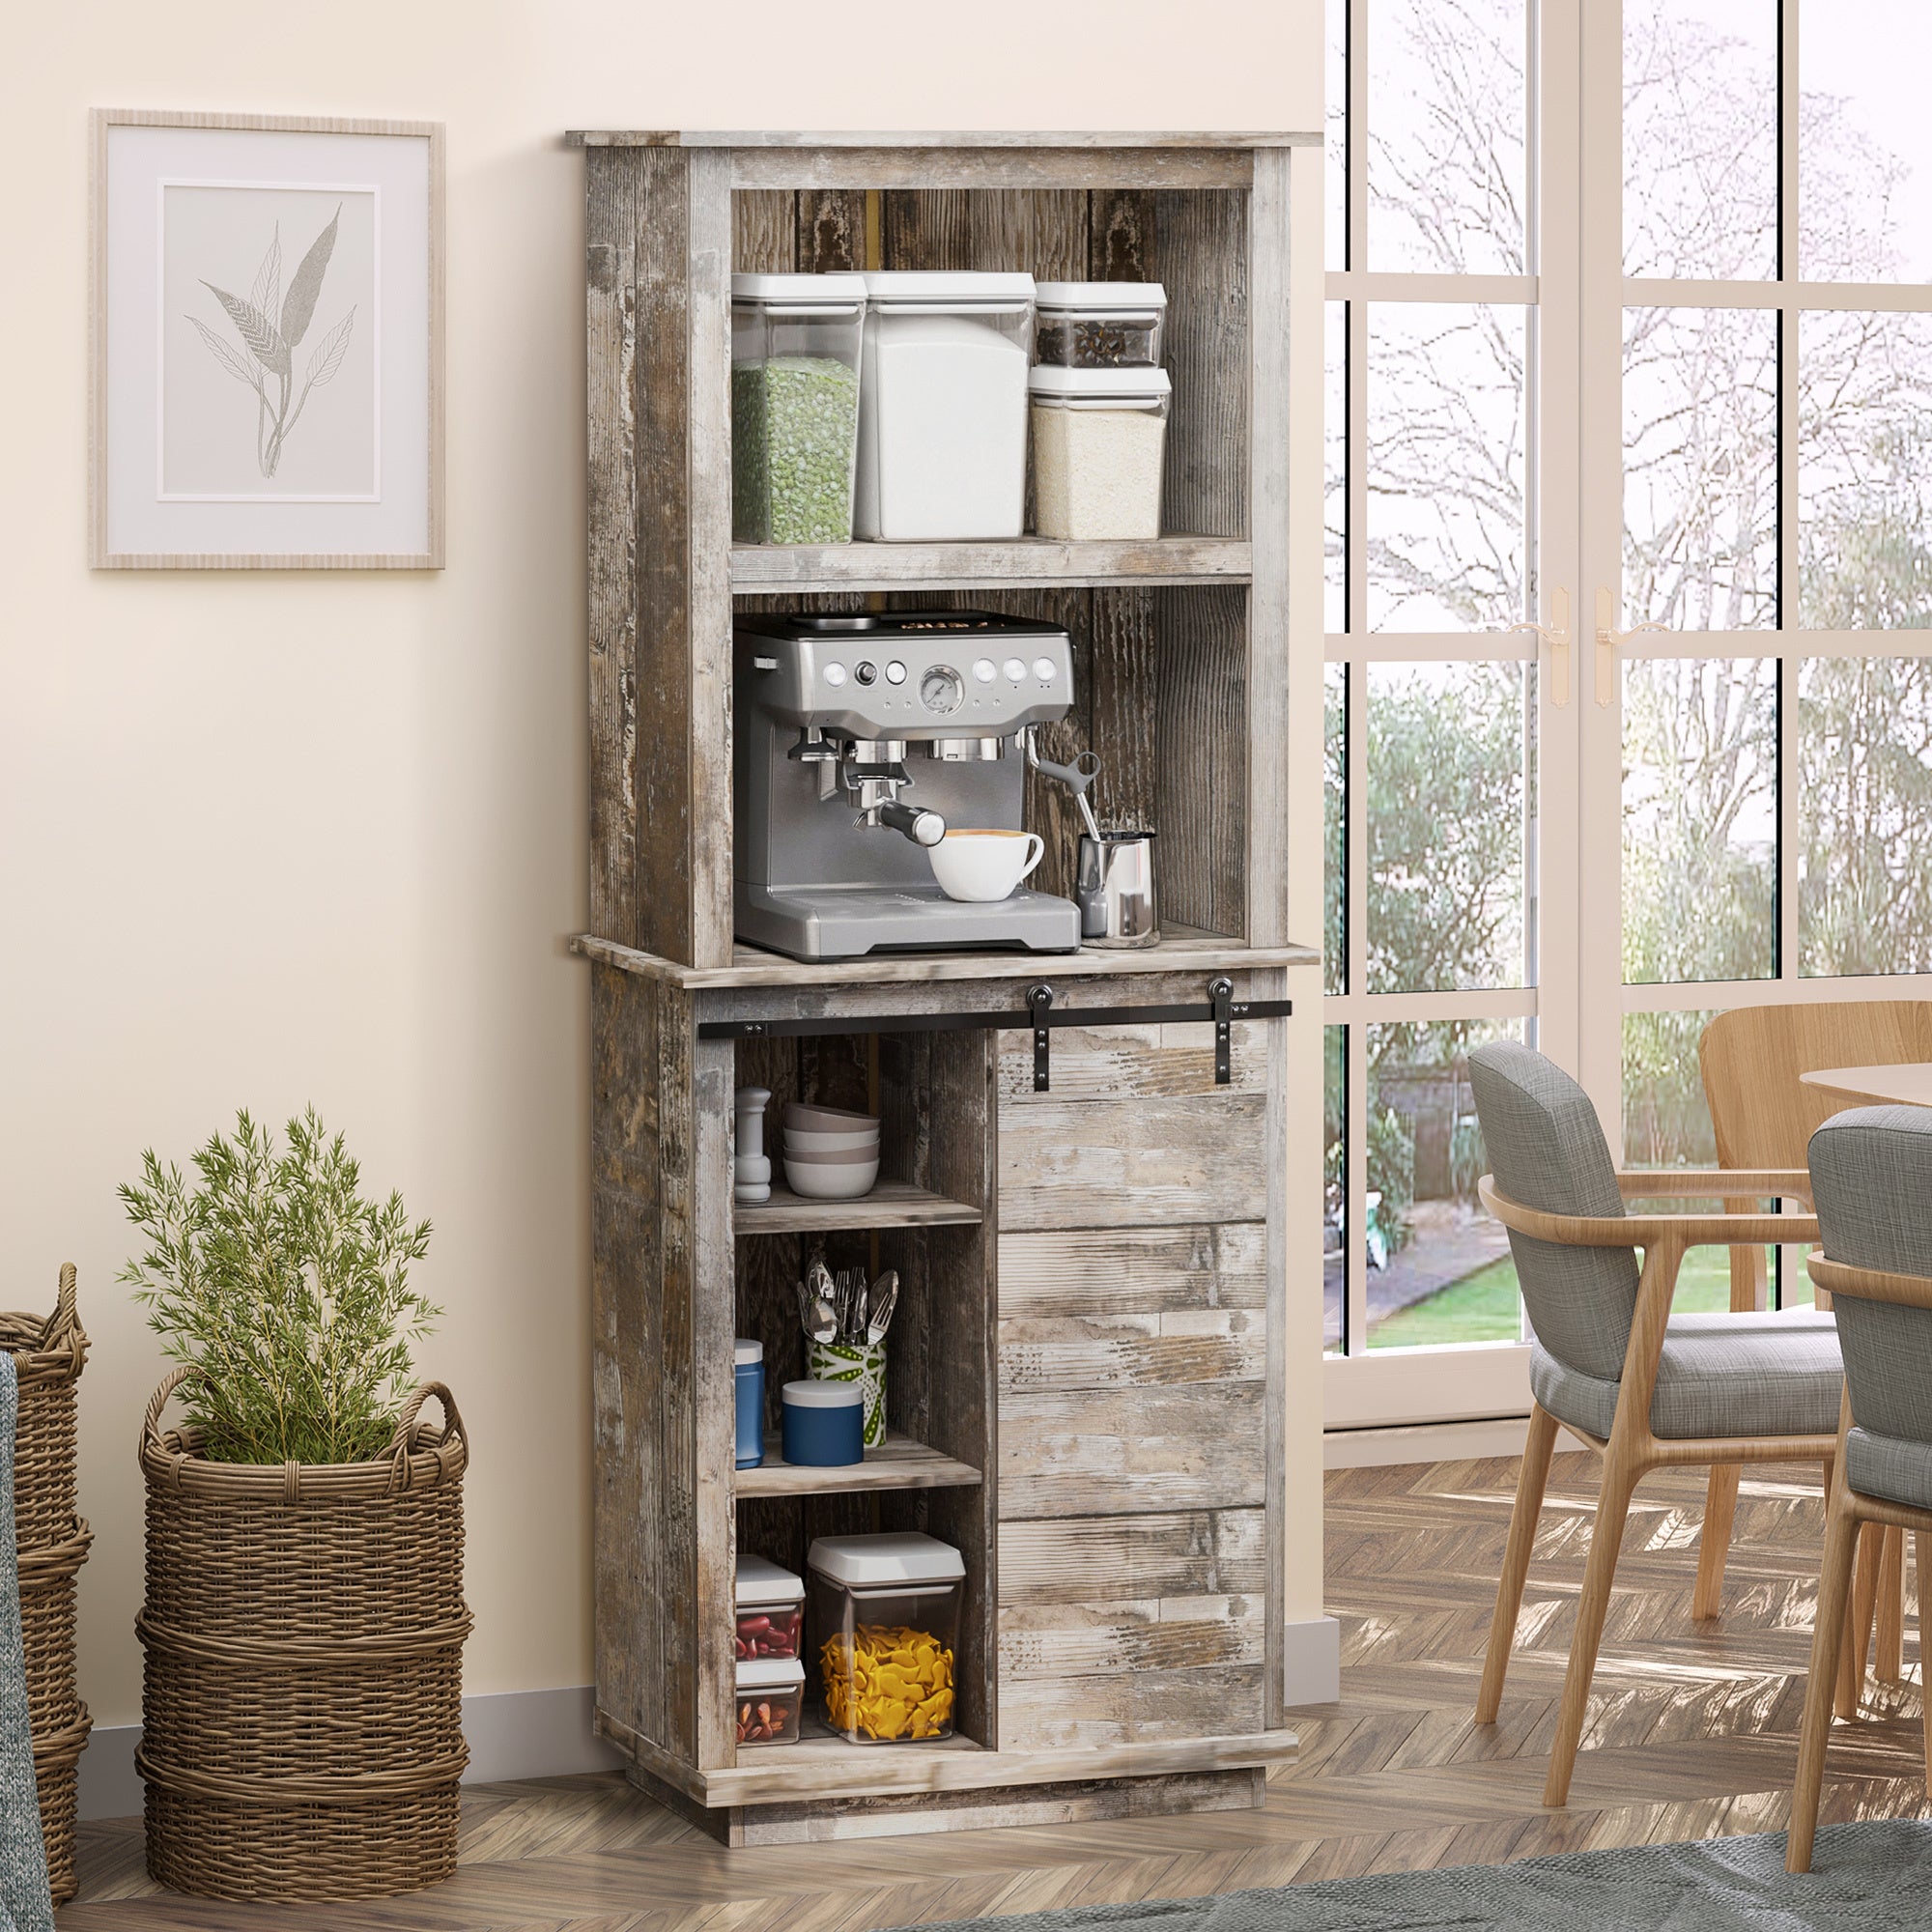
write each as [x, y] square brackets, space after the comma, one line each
[770, 1612]
[768, 1696]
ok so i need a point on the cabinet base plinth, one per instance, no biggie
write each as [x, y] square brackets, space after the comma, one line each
[992, 1807]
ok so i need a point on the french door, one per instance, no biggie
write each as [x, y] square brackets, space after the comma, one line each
[1630, 339]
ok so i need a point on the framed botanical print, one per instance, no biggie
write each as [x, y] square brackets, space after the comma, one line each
[266, 323]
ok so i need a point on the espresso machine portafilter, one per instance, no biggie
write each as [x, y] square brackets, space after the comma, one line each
[857, 741]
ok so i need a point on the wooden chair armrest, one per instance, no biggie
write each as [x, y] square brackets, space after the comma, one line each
[1643, 1231]
[1723, 1183]
[1908, 1291]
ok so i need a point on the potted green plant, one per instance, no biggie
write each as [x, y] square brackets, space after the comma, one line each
[303, 1629]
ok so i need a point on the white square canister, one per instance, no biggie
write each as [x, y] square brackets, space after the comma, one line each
[943, 407]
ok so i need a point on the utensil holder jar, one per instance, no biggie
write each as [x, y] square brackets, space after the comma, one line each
[861, 1362]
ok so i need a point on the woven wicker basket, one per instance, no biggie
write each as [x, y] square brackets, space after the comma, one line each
[49, 1351]
[301, 1701]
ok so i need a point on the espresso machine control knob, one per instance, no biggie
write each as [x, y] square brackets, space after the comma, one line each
[866, 671]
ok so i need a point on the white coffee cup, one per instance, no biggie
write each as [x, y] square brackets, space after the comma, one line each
[976, 865]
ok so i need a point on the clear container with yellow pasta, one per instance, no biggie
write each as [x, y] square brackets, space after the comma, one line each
[882, 1629]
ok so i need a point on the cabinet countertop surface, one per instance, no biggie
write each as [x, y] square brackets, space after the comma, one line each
[752, 966]
[889, 137]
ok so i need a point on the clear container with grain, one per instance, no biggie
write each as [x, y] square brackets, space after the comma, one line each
[768, 1699]
[1099, 436]
[796, 342]
[1099, 325]
[883, 1617]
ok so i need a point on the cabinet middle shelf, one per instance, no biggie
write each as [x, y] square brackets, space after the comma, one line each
[891, 1203]
[900, 1463]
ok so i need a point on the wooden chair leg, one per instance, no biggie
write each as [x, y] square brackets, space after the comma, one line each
[1531, 1481]
[1864, 1595]
[1614, 1502]
[1888, 1646]
[1721, 1508]
[1828, 1641]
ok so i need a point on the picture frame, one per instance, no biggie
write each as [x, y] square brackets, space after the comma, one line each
[266, 320]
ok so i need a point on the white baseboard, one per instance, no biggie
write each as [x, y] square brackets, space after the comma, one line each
[1312, 1662]
[1432, 1442]
[515, 1734]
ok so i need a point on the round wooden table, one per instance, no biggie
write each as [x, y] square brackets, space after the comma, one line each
[1908, 1085]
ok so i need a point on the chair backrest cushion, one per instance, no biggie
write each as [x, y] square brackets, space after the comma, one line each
[1871, 1177]
[1546, 1149]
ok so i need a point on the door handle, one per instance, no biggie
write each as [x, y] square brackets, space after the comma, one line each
[1556, 635]
[1608, 641]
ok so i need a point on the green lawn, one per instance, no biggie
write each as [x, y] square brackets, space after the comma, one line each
[1481, 1307]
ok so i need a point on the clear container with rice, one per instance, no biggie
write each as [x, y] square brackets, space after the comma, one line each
[1099, 438]
[796, 342]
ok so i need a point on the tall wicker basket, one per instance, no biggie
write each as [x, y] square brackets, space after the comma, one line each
[49, 1351]
[302, 1698]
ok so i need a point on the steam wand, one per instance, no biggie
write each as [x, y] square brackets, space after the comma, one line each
[1076, 776]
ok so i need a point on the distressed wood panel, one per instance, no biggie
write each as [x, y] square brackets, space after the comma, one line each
[611, 375]
[831, 230]
[1138, 1707]
[764, 230]
[1212, 1345]
[1103, 1271]
[1123, 653]
[1133, 1062]
[1202, 795]
[1270, 384]
[632, 1590]
[1118, 1451]
[1104, 1559]
[1120, 236]
[927, 228]
[959, 171]
[1104, 1639]
[821, 570]
[1145, 1162]
[1201, 245]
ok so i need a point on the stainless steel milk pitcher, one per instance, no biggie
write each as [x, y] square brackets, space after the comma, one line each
[1114, 889]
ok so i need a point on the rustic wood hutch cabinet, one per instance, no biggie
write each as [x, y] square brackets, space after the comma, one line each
[1086, 1391]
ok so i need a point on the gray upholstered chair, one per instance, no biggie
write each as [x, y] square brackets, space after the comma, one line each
[1871, 1179]
[1609, 1361]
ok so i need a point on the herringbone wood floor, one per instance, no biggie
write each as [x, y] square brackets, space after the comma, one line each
[1692, 1735]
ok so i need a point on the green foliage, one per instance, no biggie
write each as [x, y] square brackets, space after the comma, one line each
[1392, 1173]
[1447, 791]
[286, 1287]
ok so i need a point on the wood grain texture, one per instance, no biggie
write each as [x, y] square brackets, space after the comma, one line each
[987, 139]
[959, 171]
[891, 1203]
[632, 1588]
[831, 230]
[988, 566]
[1129, 1351]
[1113, 1452]
[1181, 949]
[1202, 799]
[1201, 243]
[1174, 1553]
[1125, 1063]
[1134, 1163]
[896, 1463]
[1393, 1776]
[764, 230]
[1120, 1271]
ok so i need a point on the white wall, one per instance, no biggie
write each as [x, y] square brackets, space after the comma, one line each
[269, 838]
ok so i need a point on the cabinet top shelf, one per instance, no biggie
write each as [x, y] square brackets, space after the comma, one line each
[989, 137]
[988, 566]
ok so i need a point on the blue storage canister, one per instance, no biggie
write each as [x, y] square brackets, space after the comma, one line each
[749, 1358]
[824, 1423]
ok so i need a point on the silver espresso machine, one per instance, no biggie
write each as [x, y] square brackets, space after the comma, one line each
[857, 741]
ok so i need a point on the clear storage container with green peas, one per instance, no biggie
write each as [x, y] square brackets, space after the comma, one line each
[795, 349]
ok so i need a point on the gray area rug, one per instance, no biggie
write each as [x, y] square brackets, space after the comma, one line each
[24, 1905]
[1864, 1878]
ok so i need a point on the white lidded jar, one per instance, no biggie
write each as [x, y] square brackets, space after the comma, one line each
[1099, 436]
[1099, 325]
[795, 348]
[942, 414]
